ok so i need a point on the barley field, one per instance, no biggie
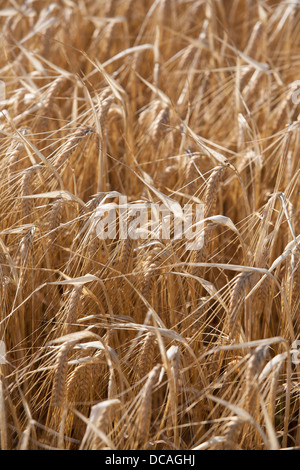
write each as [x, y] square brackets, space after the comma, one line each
[142, 343]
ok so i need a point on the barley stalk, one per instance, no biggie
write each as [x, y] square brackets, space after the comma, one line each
[146, 355]
[59, 386]
[144, 415]
[71, 145]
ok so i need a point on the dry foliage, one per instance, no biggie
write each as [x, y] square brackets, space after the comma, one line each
[126, 344]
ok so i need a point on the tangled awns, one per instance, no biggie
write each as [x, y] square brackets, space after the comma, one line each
[140, 343]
